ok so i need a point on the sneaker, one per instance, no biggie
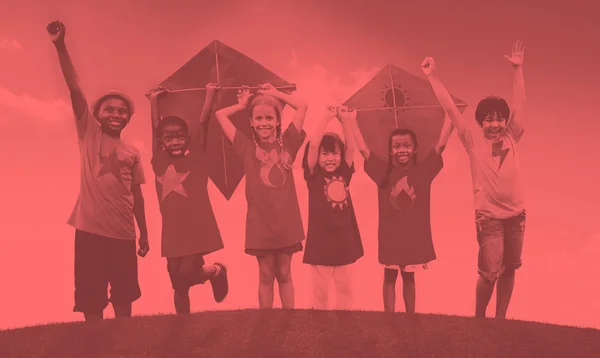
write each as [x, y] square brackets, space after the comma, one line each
[219, 284]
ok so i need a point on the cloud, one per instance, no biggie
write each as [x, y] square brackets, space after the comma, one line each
[11, 44]
[47, 111]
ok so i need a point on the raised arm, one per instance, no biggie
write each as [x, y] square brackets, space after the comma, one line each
[345, 116]
[447, 129]
[155, 113]
[429, 68]
[57, 30]
[358, 137]
[315, 139]
[296, 103]
[519, 96]
[224, 114]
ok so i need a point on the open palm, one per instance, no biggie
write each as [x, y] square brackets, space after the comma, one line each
[516, 58]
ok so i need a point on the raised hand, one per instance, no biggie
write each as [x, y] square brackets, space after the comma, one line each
[330, 111]
[157, 91]
[428, 66]
[243, 95]
[212, 89]
[267, 89]
[345, 113]
[56, 30]
[516, 58]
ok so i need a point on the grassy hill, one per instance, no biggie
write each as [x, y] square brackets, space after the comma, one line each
[300, 333]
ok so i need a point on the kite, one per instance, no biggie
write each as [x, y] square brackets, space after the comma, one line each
[230, 69]
[394, 99]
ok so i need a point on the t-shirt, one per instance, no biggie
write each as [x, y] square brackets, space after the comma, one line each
[494, 169]
[273, 220]
[188, 223]
[333, 238]
[404, 210]
[109, 167]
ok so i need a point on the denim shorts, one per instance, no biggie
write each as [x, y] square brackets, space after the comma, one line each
[500, 244]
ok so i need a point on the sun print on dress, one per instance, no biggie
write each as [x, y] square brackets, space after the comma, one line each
[336, 192]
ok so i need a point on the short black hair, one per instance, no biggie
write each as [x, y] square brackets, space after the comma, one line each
[171, 121]
[330, 142]
[490, 105]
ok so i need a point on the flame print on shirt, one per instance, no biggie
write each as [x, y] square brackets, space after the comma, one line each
[403, 195]
[272, 171]
[336, 192]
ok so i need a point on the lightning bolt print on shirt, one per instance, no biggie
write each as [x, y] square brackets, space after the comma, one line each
[498, 150]
[495, 172]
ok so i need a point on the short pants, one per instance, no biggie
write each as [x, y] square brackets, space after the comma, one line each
[500, 244]
[99, 262]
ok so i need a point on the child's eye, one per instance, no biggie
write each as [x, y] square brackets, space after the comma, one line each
[122, 111]
[168, 139]
[181, 137]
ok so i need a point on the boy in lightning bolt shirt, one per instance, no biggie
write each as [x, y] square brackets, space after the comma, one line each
[491, 143]
[333, 241]
[189, 227]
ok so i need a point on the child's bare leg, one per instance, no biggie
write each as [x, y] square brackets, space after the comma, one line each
[122, 309]
[283, 273]
[266, 267]
[514, 233]
[506, 283]
[409, 291]
[484, 291]
[389, 290]
[93, 316]
[181, 298]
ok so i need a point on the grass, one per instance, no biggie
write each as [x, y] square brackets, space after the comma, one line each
[300, 333]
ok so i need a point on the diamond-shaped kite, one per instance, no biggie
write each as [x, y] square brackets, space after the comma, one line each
[217, 63]
[394, 99]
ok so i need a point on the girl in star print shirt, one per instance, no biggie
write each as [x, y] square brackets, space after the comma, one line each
[404, 185]
[333, 241]
[189, 227]
[274, 230]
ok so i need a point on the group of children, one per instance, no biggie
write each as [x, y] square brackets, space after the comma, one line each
[110, 197]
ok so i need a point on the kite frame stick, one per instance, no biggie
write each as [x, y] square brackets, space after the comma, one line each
[291, 87]
[394, 97]
[406, 107]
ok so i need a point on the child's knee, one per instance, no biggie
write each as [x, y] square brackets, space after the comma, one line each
[491, 276]
[284, 274]
[266, 276]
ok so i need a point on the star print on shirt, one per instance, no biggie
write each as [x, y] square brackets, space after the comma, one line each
[112, 165]
[172, 182]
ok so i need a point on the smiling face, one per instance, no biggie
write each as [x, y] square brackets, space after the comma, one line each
[493, 126]
[402, 149]
[113, 115]
[264, 121]
[174, 139]
[330, 160]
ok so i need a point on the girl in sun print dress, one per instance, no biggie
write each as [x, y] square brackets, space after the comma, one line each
[274, 230]
[333, 241]
[405, 242]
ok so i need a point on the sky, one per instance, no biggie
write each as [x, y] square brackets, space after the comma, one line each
[329, 49]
